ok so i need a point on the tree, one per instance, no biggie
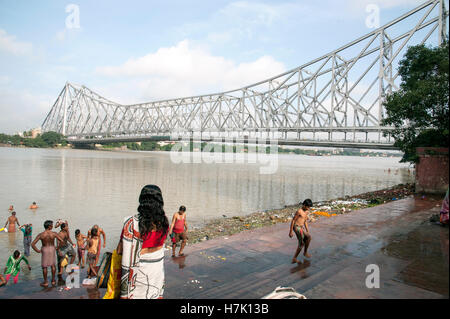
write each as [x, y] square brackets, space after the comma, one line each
[419, 110]
[52, 138]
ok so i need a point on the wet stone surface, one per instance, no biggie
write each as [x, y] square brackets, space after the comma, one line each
[410, 251]
[226, 226]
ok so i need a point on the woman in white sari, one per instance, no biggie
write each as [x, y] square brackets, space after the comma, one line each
[141, 245]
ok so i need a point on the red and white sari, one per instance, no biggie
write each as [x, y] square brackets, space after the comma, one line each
[142, 275]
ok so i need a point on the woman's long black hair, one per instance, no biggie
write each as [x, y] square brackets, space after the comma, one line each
[151, 211]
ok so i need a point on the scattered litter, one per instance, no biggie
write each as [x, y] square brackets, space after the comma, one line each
[89, 282]
[284, 293]
[227, 226]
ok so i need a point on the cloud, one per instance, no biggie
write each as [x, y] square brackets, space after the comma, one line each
[24, 109]
[384, 4]
[240, 21]
[186, 70]
[9, 44]
[255, 13]
[4, 80]
[61, 35]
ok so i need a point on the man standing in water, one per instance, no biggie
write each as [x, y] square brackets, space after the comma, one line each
[80, 238]
[299, 225]
[48, 250]
[100, 232]
[92, 256]
[179, 229]
[27, 230]
[66, 247]
[12, 220]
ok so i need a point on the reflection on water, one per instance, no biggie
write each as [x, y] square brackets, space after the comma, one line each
[12, 241]
[98, 187]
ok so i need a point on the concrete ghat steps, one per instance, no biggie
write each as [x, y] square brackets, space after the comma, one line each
[396, 236]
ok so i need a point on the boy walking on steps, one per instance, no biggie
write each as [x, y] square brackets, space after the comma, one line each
[299, 225]
[178, 230]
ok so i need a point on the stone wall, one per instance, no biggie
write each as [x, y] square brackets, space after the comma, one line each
[432, 173]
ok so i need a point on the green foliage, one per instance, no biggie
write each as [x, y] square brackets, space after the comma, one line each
[35, 142]
[52, 138]
[48, 139]
[149, 146]
[419, 110]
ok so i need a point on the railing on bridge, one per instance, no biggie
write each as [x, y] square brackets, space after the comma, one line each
[336, 99]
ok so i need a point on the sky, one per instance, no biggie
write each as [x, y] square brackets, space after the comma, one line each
[141, 51]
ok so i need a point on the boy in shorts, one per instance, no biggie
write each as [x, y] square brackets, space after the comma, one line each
[178, 230]
[299, 225]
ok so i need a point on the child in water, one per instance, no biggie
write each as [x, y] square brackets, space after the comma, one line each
[80, 245]
[27, 231]
[92, 246]
[13, 266]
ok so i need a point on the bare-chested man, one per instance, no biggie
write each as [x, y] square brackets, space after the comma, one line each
[48, 250]
[178, 230]
[299, 225]
[66, 247]
[81, 240]
[100, 232]
[12, 221]
[92, 246]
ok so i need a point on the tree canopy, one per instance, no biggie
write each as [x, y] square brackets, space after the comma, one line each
[419, 110]
[47, 139]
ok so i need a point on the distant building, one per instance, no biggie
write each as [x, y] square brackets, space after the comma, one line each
[35, 132]
[162, 144]
[165, 143]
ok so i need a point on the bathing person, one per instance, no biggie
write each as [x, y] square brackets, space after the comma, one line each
[11, 208]
[66, 247]
[26, 230]
[33, 206]
[12, 221]
[92, 246]
[141, 245]
[13, 266]
[48, 250]
[299, 225]
[81, 241]
[100, 232]
[178, 230]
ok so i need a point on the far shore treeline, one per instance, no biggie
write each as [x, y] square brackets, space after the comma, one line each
[54, 139]
[47, 139]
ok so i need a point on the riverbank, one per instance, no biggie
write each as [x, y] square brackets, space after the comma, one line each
[253, 263]
[55, 143]
[227, 226]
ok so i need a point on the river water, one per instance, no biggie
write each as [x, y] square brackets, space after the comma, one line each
[88, 187]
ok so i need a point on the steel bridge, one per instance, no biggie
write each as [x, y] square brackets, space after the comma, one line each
[335, 100]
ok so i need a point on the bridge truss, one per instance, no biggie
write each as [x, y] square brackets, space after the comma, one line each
[336, 99]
